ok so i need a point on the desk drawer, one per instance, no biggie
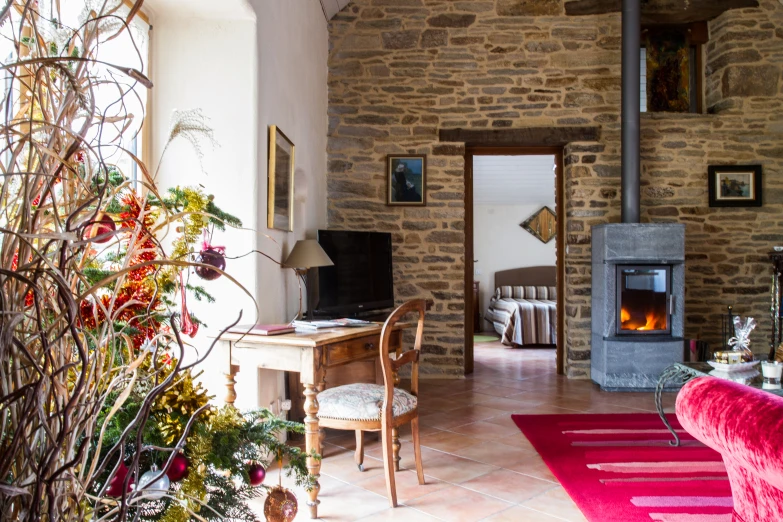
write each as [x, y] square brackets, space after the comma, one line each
[358, 349]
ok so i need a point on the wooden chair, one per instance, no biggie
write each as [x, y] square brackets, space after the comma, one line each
[384, 408]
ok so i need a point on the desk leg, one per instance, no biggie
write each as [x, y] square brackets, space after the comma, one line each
[321, 432]
[231, 381]
[312, 442]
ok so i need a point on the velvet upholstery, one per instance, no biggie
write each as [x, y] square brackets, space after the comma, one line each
[745, 426]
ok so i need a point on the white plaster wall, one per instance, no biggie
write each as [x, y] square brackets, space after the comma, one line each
[293, 42]
[246, 75]
[499, 243]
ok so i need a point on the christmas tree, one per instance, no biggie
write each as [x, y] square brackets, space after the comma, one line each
[101, 417]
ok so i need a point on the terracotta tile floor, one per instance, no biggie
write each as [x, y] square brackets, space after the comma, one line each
[478, 465]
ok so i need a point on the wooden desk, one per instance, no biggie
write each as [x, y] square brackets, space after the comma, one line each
[311, 355]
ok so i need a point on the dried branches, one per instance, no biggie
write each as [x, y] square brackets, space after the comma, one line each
[83, 319]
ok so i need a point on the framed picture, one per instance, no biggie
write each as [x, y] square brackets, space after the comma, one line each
[735, 185]
[406, 180]
[542, 224]
[280, 183]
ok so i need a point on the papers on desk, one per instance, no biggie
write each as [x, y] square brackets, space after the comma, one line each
[262, 329]
[311, 326]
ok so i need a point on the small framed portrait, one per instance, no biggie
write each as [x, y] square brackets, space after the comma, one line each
[735, 185]
[406, 180]
[280, 183]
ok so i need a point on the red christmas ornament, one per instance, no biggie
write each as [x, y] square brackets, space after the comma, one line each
[213, 256]
[102, 225]
[256, 472]
[115, 484]
[179, 468]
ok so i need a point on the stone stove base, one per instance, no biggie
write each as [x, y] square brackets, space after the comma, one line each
[634, 362]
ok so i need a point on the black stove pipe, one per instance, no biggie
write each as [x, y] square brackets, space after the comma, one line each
[631, 170]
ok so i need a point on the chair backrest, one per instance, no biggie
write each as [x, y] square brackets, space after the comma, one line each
[391, 366]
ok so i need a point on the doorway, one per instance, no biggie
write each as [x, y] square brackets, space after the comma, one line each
[510, 209]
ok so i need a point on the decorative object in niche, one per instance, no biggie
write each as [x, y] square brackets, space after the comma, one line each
[542, 224]
[406, 180]
[280, 197]
[668, 70]
[735, 185]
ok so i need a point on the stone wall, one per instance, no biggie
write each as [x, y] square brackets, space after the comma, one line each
[401, 70]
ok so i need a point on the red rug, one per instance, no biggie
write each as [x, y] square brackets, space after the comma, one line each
[620, 468]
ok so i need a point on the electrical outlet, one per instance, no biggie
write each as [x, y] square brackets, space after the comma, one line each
[478, 271]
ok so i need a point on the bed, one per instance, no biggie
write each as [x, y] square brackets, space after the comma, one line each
[523, 309]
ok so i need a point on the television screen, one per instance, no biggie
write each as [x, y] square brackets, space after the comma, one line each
[361, 278]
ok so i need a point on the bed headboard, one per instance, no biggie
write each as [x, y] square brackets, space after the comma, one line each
[527, 276]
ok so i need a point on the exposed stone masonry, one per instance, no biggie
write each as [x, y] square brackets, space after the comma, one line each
[401, 70]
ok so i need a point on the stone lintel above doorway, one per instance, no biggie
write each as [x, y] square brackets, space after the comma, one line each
[521, 137]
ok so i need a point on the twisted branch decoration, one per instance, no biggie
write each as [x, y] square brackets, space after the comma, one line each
[67, 342]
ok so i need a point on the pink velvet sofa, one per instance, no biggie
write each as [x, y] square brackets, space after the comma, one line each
[745, 426]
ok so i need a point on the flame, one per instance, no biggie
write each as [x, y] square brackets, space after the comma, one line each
[652, 321]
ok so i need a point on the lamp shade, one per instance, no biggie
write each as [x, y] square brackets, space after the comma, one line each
[307, 253]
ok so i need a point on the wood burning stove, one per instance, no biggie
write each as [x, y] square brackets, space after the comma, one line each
[638, 297]
[644, 300]
[638, 269]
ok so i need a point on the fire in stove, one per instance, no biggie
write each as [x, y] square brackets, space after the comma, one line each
[643, 299]
[651, 320]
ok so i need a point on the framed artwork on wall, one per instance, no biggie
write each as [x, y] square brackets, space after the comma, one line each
[542, 224]
[406, 180]
[280, 181]
[734, 185]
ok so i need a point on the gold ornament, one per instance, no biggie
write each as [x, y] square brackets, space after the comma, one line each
[178, 403]
[192, 222]
[280, 505]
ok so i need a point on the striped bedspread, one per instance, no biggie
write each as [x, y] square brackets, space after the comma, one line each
[521, 320]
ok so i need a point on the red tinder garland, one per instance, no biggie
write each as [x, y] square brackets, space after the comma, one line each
[138, 298]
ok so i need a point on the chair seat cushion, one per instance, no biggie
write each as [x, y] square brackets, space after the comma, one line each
[361, 402]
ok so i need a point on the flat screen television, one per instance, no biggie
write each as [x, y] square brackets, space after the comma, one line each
[361, 279]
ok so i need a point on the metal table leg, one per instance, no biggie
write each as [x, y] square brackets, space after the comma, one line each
[678, 374]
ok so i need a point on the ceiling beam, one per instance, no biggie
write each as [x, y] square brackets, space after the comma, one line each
[661, 11]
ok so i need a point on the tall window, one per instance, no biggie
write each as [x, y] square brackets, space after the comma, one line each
[120, 101]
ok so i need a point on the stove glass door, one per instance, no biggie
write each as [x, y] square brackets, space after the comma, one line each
[643, 299]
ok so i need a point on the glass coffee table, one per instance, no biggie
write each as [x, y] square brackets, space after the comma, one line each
[679, 373]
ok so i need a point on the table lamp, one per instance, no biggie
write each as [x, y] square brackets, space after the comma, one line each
[307, 253]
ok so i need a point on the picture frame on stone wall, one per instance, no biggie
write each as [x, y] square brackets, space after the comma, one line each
[280, 181]
[406, 180]
[735, 185]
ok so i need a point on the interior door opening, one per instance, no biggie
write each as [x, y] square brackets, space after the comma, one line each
[514, 249]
